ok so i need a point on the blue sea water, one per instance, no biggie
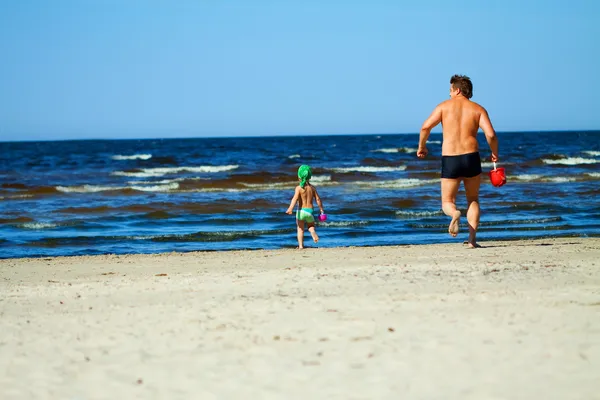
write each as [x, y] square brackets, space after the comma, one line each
[146, 196]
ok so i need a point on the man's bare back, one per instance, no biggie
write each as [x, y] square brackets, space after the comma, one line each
[461, 118]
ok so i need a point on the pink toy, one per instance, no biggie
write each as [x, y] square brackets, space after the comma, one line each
[322, 217]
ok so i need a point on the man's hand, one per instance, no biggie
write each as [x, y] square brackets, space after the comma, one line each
[494, 158]
[289, 211]
[422, 152]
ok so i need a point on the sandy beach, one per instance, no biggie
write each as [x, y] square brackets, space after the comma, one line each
[513, 320]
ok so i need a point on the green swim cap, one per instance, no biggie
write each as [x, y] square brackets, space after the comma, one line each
[304, 174]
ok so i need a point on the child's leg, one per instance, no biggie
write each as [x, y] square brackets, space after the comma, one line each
[300, 225]
[313, 232]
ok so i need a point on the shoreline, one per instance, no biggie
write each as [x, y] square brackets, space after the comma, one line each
[415, 321]
[312, 247]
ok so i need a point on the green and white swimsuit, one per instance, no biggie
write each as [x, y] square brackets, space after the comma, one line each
[306, 215]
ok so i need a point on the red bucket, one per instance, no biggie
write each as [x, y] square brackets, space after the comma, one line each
[497, 176]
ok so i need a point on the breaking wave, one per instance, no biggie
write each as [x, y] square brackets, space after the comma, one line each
[369, 169]
[341, 224]
[132, 157]
[156, 172]
[571, 161]
[396, 150]
[528, 177]
[38, 225]
[418, 214]
[541, 178]
[397, 183]
[98, 188]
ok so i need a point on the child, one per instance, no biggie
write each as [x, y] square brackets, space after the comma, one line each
[304, 195]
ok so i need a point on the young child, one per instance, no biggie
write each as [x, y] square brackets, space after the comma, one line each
[304, 195]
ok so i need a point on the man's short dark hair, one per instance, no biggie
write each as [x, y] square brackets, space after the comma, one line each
[463, 83]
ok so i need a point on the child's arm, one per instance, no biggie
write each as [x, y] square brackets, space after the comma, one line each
[294, 200]
[319, 202]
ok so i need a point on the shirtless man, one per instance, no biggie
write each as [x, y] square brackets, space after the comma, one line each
[303, 196]
[461, 119]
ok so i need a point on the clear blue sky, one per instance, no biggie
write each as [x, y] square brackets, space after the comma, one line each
[143, 68]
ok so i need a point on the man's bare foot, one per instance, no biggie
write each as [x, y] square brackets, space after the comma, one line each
[473, 245]
[300, 248]
[454, 224]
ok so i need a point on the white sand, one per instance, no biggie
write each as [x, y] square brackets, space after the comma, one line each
[515, 320]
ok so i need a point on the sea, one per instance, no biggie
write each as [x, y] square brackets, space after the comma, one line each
[84, 197]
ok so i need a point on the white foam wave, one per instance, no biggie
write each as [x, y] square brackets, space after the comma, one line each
[541, 178]
[593, 153]
[341, 224]
[141, 174]
[418, 214]
[561, 179]
[87, 188]
[294, 156]
[528, 177]
[396, 150]
[132, 157]
[38, 225]
[434, 141]
[156, 188]
[17, 196]
[269, 186]
[369, 169]
[390, 150]
[324, 180]
[594, 174]
[167, 181]
[206, 169]
[571, 161]
[97, 188]
[211, 190]
[156, 172]
[397, 183]
[161, 182]
[321, 178]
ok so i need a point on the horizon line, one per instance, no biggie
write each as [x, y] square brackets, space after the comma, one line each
[276, 136]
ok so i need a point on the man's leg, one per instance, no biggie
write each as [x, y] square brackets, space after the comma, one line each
[472, 189]
[300, 225]
[449, 192]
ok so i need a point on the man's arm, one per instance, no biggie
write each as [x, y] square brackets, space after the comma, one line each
[490, 134]
[294, 200]
[434, 119]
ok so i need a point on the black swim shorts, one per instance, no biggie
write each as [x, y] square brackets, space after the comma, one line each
[462, 166]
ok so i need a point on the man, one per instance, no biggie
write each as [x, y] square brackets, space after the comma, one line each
[461, 119]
